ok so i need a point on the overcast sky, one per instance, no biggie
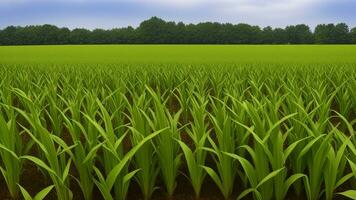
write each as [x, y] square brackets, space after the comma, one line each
[118, 13]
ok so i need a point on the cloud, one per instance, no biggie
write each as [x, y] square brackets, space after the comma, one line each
[278, 10]
[183, 3]
[113, 13]
[224, 5]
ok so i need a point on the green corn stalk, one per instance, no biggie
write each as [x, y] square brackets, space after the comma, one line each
[112, 149]
[253, 180]
[272, 146]
[260, 158]
[145, 158]
[167, 148]
[184, 93]
[350, 193]
[11, 148]
[315, 151]
[55, 150]
[335, 169]
[39, 196]
[195, 158]
[306, 126]
[53, 112]
[85, 151]
[105, 185]
[64, 103]
[352, 151]
[225, 142]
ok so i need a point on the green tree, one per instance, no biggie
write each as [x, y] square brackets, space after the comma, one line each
[63, 36]
[158, 31]
[80, 36]
[353, 35]
[341, 34]
[100, 36]
[332, 34]
[323, 33]
[122, 35]
[155, 30]
[299, 34]
[207, 33]
[267, 35]
[8, 36]
[246, 34]
[280, 36]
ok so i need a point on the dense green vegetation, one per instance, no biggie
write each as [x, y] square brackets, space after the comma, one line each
[254, 128]
[158, 31]
[179, 54]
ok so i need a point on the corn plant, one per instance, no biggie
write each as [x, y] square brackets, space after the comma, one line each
[145, 158]
[198, 133]
[351, 147]
[39, 196]
[276, 155]
[56, 152]
[84, 151]
[10, 150]
[223, 127]
[105, 185]
[271, 132]
[112, 153]
[167, 148]
[334, 172]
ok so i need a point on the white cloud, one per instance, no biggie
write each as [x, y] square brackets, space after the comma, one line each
[227, 4]
[253, 3]
[245, 4]
[262, 12]
[273, 6]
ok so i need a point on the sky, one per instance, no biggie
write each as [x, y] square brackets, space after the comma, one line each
[121, 13]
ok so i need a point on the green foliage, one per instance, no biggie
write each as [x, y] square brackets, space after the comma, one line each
[39, 196]
[255, 131]
[159, 31]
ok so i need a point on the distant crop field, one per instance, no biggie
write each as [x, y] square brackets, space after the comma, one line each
[187, 54]
[178, 122]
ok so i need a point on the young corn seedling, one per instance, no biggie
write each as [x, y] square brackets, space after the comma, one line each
[304, 126]
[184, 92]
[113, 152]
[56, 152]
[268, 154]
[105, 185]
[260, 158]
[145, 158]
[223, 128]
[343, 97]
[250, 172]
[53, 108]
[198, 132]
[315, 152]
[39, 196]
[334, 171]
[350, 193]
[167, 148]
[351, 147]
[10, 150]
[85, 150]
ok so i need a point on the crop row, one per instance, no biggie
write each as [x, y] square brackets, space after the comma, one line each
[261, 133]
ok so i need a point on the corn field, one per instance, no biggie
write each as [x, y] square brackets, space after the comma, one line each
[135, 131]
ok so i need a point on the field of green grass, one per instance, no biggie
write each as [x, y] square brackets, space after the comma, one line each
[178, 122]
[187, 54]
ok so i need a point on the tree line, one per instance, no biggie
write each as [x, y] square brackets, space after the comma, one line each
[158, 31]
